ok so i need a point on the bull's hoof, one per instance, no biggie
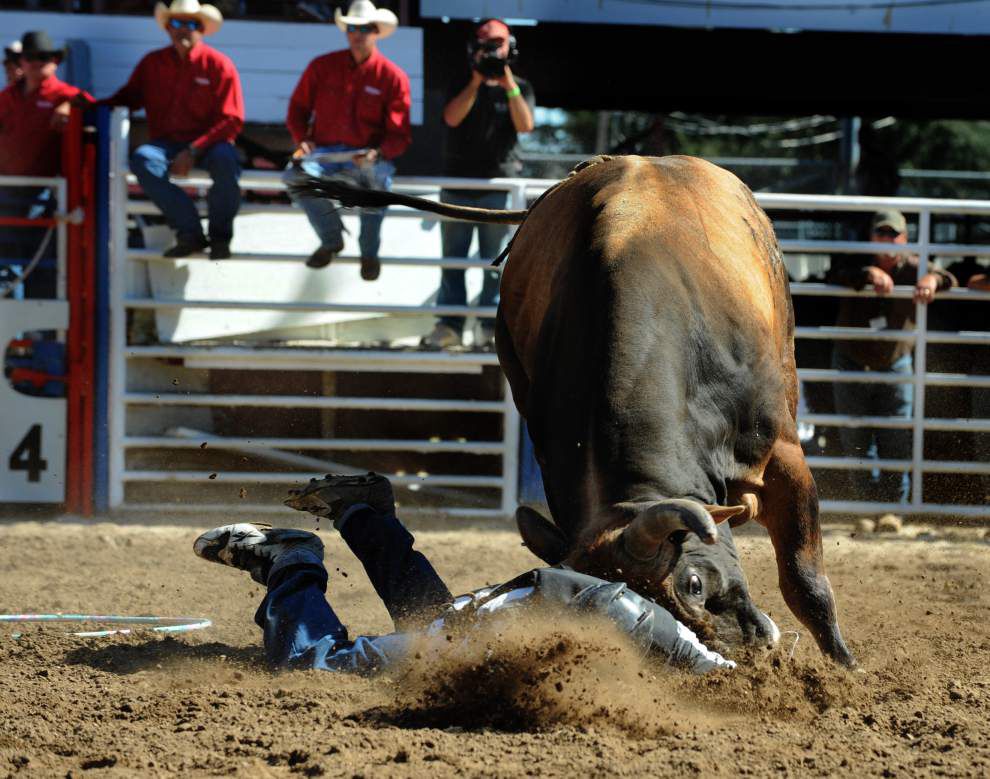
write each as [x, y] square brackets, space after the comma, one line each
[840, 653]
[848, 662]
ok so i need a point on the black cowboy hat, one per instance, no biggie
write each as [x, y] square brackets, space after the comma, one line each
[38, 42]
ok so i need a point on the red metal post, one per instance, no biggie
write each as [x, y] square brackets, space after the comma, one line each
[72, 171]
[88, 281]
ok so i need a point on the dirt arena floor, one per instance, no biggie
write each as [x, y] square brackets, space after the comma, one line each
[565, 701]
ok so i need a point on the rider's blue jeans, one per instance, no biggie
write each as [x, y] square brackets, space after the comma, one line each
[302, 629]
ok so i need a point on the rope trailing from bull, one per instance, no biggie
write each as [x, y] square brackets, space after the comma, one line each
[350, 195]
[353, 196]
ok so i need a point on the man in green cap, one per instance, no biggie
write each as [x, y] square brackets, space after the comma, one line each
[881, 271]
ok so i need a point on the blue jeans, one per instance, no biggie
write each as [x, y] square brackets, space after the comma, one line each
[323, 214]
[895, 400]
[302, 630]
[150, 163]
[456, 241]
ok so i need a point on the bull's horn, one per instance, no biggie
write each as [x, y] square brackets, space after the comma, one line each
[749, 507]
[644, 536]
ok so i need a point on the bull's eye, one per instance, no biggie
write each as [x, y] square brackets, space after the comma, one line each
[694, 584]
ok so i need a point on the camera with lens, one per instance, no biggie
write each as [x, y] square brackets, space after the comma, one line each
[490, 64]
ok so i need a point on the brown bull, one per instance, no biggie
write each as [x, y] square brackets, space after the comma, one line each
[646, 330]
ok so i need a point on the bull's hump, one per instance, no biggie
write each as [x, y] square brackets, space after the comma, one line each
[689, 212]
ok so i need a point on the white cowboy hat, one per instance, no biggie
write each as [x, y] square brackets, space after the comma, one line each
[364, 12]
[210, 17]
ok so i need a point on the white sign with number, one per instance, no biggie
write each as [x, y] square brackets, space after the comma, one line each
[32, 429]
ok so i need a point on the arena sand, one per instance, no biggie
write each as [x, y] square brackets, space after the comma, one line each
[525, 700]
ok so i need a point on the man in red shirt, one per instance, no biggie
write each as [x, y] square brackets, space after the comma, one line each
[33, 112]
[192, 96]
[349, 116]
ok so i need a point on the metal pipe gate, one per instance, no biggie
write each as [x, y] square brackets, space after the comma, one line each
[123, 355]
[56, 452]
[214, 356]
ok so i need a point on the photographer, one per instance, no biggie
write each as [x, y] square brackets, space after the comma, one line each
[485, 117]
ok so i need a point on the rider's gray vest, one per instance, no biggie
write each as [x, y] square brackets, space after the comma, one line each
[650, 626]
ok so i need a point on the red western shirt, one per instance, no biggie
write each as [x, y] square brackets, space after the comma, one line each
[196, 101]
[29, 146]
[339, 101]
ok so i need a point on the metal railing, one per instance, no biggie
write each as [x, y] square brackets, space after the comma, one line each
[926, 250]
[446, 362]
[58, 221]
[290, 358]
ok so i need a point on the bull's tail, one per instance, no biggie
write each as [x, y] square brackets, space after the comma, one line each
[353, 196]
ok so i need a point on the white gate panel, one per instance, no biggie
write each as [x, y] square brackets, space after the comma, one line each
[32, 429]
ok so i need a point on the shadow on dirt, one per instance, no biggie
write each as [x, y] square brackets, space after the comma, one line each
[129, 658]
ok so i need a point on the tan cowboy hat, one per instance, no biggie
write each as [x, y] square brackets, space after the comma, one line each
[364, 12]
[210, 17]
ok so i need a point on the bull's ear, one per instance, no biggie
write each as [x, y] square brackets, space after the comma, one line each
[722, 513]
[541, 536]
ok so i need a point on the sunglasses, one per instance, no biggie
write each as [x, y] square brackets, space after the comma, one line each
[886, 232]
[364, 29]
[40, 57]
[185, 24]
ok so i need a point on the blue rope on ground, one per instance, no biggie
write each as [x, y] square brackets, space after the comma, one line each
[162, 624]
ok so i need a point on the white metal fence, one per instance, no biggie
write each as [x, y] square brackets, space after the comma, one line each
[926, 250]
[287, 358]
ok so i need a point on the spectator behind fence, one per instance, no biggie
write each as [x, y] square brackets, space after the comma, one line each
[192, 95]
[881, 271]
[33, 113]
[484, 117]
[349, 116]
[12, 62]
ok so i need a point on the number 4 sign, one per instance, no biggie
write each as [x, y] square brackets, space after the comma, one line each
[32, 429]
[27, 455]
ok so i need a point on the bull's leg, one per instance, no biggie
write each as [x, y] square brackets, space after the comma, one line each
[789, 512]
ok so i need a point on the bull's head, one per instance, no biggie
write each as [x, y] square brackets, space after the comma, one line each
[673, 552]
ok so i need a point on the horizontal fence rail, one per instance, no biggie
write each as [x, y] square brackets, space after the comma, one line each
[60, 220]
[298, 452]
[128, 357]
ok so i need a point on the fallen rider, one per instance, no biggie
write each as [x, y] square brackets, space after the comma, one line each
[301, 630]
